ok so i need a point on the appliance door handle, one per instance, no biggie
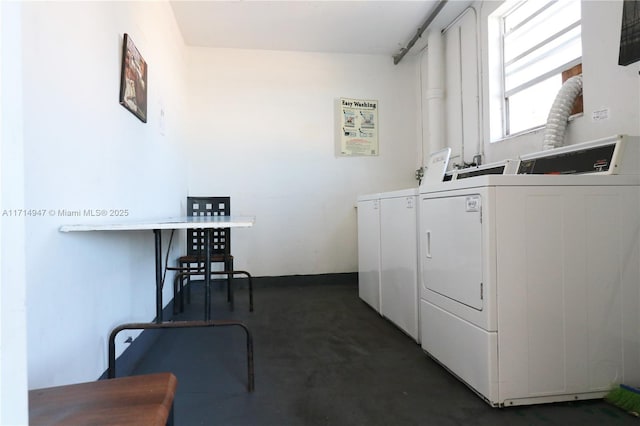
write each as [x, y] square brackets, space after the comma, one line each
[428, 245]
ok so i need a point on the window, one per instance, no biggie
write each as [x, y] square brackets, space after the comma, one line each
[538, 40]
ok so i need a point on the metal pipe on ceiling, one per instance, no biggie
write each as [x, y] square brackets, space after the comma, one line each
[397, 58]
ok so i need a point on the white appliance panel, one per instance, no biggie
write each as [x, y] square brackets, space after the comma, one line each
[567, 268]
[399, 262]
[452, 248]
[468, 351]
[369, 252]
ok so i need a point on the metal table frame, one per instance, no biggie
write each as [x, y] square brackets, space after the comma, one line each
[185, 222]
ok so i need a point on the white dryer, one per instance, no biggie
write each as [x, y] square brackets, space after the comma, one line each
[530, 284]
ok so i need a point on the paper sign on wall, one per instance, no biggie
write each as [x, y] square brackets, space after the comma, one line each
[358, 127]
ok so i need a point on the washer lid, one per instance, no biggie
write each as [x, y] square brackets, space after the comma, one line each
[409, 192]
[437, 166]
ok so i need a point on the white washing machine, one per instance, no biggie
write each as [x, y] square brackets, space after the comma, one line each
[399, 260]
[388, 249]
[388, 256]
[530, 284]
[369, 249]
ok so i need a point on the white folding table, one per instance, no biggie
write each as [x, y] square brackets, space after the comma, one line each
[157, 225]
[207, 223]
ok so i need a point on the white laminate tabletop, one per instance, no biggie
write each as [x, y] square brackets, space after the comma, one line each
[184, 222]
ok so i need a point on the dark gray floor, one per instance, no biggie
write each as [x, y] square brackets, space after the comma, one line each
[323, 357]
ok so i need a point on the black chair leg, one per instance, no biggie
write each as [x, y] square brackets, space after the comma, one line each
[178, 292]
[182, 278]
[228, 266]
[189, 289]
[185, 274]
[175, 294]
[250, 294]
[230, 290]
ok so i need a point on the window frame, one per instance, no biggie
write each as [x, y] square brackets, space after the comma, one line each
[499, 95]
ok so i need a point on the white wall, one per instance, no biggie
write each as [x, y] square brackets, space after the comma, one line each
[82, 150]
[606, 84]
[262, 129]
[13, 323]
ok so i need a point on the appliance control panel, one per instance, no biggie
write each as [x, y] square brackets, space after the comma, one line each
[590, 160]
[615, 155]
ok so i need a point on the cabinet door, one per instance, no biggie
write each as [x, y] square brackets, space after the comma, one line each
[451, 229]
[369, 252]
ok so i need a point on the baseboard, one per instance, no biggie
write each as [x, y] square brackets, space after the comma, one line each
[344, 278]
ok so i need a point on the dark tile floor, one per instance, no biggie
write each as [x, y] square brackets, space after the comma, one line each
[323, 357]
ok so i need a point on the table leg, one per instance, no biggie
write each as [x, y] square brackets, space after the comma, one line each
[158, 239]
[207, 274]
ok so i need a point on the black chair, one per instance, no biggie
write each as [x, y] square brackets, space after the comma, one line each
[193, 262]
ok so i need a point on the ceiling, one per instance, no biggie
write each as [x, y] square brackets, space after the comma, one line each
[354, 27]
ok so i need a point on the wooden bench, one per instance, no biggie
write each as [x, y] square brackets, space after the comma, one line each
[134, 400]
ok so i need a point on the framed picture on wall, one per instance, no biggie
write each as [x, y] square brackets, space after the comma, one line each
[133, 80]
[630, 33]
[358, 127]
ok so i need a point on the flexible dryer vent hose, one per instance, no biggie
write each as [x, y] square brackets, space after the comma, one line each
[560, 110]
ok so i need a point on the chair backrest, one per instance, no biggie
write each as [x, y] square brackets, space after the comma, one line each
[220, 238]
